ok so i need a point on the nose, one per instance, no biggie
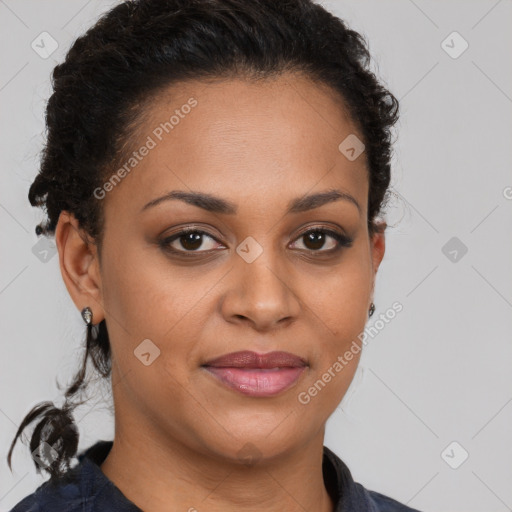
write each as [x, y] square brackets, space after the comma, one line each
[260, 294]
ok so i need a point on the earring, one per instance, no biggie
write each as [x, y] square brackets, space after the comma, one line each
[87, 315]
[371, 310]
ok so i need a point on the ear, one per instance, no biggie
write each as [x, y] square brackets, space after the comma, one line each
[378, 247]
[79, 265]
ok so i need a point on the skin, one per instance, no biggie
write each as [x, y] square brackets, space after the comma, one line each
[178, 430]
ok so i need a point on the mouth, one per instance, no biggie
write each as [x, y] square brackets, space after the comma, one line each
[255, 374]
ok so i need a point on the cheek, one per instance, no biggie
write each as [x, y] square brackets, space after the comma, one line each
[167, 305]
[323, 392]
[338, 299]
[148, 296]
[148, 309]
[338, 306]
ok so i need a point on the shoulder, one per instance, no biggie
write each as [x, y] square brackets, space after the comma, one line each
[83, 488]
[350, 495]
[381, 503]
[74, 491]
[63, 495]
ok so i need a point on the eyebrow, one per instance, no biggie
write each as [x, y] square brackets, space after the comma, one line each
[218, 205]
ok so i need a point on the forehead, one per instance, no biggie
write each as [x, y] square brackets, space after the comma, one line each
[243, 139]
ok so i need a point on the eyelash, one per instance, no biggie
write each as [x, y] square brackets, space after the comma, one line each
[343, 241]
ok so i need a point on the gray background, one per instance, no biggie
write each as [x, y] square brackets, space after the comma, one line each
[441, 370]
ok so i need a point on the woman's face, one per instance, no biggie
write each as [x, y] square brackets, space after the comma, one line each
[254, 280]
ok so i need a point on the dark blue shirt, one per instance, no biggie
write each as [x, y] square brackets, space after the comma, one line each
[85, 488]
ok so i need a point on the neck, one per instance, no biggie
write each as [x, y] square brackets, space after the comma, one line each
[170, 476]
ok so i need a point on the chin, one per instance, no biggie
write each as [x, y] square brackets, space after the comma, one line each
[258, 439]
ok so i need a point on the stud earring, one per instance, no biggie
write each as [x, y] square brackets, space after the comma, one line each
[371, 310]
[87, 315]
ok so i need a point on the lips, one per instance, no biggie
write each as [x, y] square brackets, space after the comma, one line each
[258, 375]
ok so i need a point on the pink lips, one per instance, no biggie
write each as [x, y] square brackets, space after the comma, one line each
[257, 374]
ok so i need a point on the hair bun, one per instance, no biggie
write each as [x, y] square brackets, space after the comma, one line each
[54, 440]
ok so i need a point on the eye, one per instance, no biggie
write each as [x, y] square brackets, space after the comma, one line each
[317, 238]
[190, 240]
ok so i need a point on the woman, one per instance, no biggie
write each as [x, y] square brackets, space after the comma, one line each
[213, 176]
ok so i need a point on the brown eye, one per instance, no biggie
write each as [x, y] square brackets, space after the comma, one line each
[189, 241]
[316, 239]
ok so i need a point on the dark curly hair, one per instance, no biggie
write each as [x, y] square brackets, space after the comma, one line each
[118, 66]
